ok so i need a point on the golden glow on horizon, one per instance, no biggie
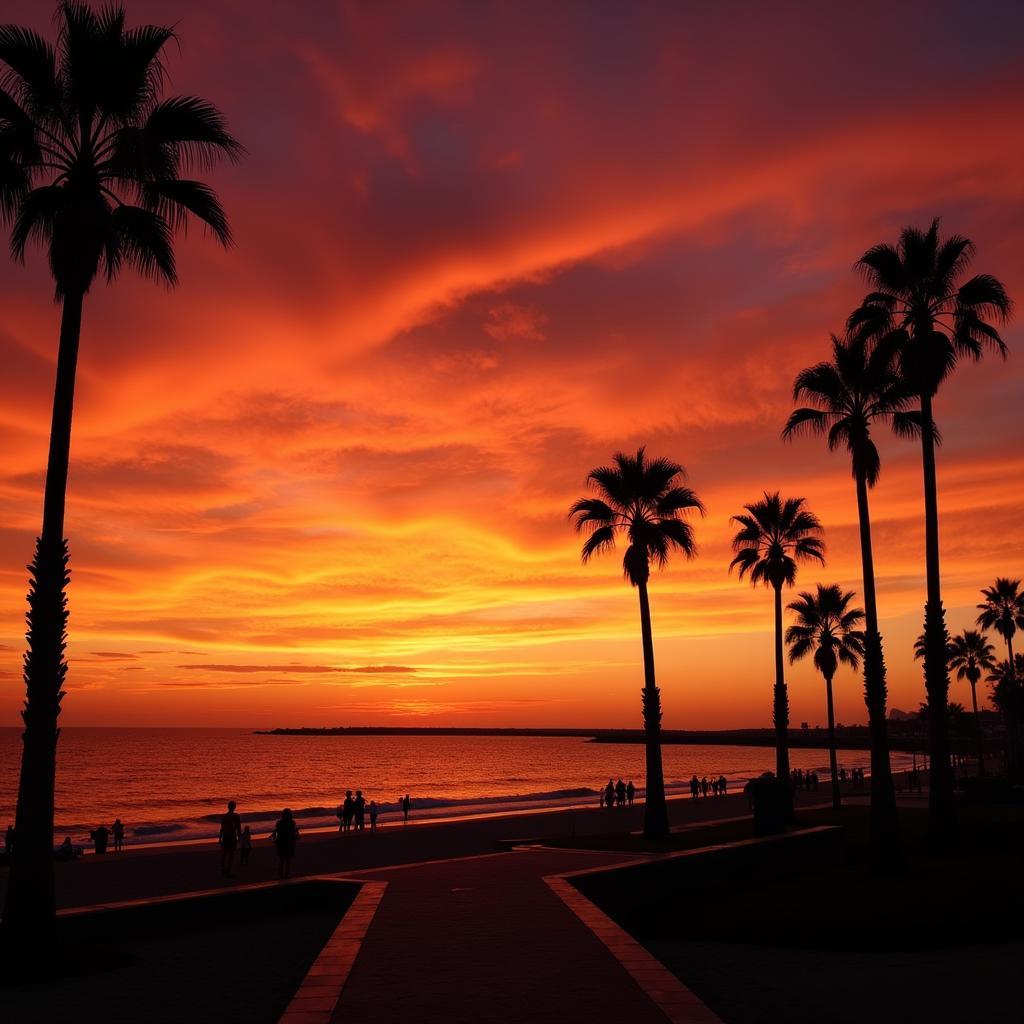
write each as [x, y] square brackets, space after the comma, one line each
[326, 480]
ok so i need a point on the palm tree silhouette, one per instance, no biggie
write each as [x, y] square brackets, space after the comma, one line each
[920, 305]
[970, 654]
[775, 534]
[1007, 686]
[826, 626]
[1003, 611]
[645, 500]
[857, 388]
[93, 165]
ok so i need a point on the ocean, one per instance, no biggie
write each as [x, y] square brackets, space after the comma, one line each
[171, 785]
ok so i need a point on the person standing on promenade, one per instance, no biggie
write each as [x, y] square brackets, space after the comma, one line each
[620, 793]
[283, 837]
[373, 815]
[609, 794]
[244, 846]
[117, 829]
[359, 809]
[406, 808]
[230, 834]
[348, 808]
[630, 792]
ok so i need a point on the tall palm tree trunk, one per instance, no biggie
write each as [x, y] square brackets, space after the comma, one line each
[1012, 722]
[655, 808]
[29, 921]
[833, 761]
[884, 825]
[941, 808]
[780, 712]
[977, 728]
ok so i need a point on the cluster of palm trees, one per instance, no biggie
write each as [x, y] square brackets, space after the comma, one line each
[921, 316]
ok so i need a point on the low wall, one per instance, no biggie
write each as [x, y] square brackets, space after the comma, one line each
[642, 885]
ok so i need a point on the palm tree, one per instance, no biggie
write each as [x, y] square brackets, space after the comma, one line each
[646, 501]
[775, 534]
[970, 654]
[1003, 611]
[826, 626]
[1007, 682]
[93, 166]
[846, 395]
[920, 304]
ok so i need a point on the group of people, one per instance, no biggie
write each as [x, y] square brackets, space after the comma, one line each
[809, 779]
[234, 837]
[618, 794]
[101, 838]
[705, 787]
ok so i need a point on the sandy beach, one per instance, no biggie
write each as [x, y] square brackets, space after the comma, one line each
[161, 871]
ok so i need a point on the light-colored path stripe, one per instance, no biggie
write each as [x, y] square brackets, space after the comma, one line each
[321, 989]
[672, 997]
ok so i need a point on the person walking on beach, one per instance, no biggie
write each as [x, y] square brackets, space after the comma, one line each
[630, 792]
[348, 808]
[117, 829]
[609, 794]
[283, 837]
[620, 793]
[359, 809]
[244, 846]
[406, 808]
[723, 785]
[230, 834]
[99, 838]
[694, 787]
[373, 815]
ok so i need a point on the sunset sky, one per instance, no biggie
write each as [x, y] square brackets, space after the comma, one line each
[479, 247]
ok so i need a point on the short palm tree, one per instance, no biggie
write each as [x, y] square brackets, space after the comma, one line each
[847, 395]
[1003, 611]
[970, 654]
[827, 627]
[776, 534]
[645, 501]
[1007, 687]
[94, 167]
[920, 303]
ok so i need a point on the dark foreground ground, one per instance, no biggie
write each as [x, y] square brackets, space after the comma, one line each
[222, 973]
[941, 942]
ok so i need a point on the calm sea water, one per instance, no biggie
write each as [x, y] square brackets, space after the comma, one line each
[172, 784]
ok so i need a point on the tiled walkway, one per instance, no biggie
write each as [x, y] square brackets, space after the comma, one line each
[485, 939]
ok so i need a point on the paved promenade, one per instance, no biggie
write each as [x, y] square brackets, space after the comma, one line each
[485, 939]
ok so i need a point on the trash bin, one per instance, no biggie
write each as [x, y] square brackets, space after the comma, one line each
[768, 797]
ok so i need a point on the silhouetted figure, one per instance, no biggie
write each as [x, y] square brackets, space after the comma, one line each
[373, 815]
[65, 851]
[283, 837]
[406, 808]
[359, 809]
[117, 830]
[244, 846]
[99, 838]
[230, 834]
[704, 786]
[694, 787]
[609, 794]
[723, 785]
[620, 793]
[630, 792]
[348, 809]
